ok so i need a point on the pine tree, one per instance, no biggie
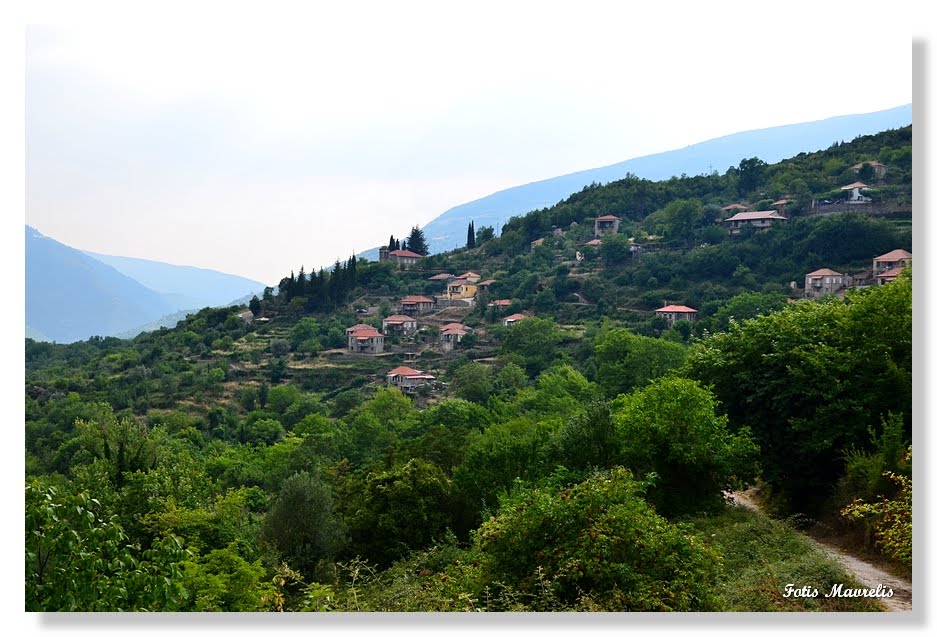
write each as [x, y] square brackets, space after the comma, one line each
[300, 289]
[416, 242]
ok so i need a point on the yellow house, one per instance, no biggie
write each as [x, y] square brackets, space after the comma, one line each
[460, 288]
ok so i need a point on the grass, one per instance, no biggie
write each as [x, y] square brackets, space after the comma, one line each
[761, 556]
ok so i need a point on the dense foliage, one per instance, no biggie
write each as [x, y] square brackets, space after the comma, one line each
[575, 460]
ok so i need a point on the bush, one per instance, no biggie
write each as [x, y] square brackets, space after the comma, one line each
[597, 544]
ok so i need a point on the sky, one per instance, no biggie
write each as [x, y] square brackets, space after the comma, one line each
[252, 138]
[253, 143]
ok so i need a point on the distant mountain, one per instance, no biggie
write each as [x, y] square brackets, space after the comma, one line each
[447, 231]
[71, 296]
[184, 287]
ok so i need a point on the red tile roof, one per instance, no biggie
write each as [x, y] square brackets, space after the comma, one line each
[363, 335]
[607, 218]
[676, 308]
[889, 274]
[399, 318]
[855, 184]
[406, 253]
[468, 274]
[454, 330]
[894, 255]
[403, 371]
[359, 326]
[412, 300]
[515, 317]
[781, 202]
[594, 242]
[825, 272]
[450, 326]
[501, 302]
[445, 276]
[757, 214]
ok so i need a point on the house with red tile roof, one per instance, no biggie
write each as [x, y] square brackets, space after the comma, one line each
[365, 340]
[485, 286]
[825, 281]
[759, 219]
[887, 276]
[878, 168]
[512, 319]
[461, 287]
[855, 196]
[674, 313]
[404, 258]
[408, 379]
[606, 224]
[500, 303]
[451, 335]
[416, 304]
[444, 276]
[890, 260]
[399, 324]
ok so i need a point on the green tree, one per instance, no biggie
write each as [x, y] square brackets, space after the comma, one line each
[301, 525]
[77, 559]
[416, 242]
[751, 174]
[597, 544]
[472, 382]
[671, 429]
[254, 305]
[535, 341]
[401, 510]
[470, 239]
[629, 361]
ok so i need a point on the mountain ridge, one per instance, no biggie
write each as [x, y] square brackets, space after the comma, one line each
[447, 231]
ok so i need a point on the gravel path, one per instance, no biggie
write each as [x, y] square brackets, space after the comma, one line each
[870, 575]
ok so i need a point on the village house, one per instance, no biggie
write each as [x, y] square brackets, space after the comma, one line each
[402, 258]
[407, 378]
[451, 334]
[759, 219]
[485, 286]
[444, 276]
[890, 260]
[511, 320]
[863, 279]
[606, 224]
[825, 281]
[461, 288]
[416, 305]
[887, 276]
[500, 303]
[595, 243]
[878, 168]
[364, 339]
[399, 325]
[855, 196]
[781, 205]
[733, 207]
[674, 313]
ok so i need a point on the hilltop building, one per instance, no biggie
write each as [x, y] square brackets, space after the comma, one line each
[674, 313]
[759, 219]
[606, 224]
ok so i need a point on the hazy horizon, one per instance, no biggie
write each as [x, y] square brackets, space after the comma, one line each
[257, 149]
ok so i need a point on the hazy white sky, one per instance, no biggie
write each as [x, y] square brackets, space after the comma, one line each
[254, 140]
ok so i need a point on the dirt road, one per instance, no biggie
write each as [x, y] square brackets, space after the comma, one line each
[870, 575]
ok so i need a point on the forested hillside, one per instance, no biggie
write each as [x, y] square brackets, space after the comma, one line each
[548, 442]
